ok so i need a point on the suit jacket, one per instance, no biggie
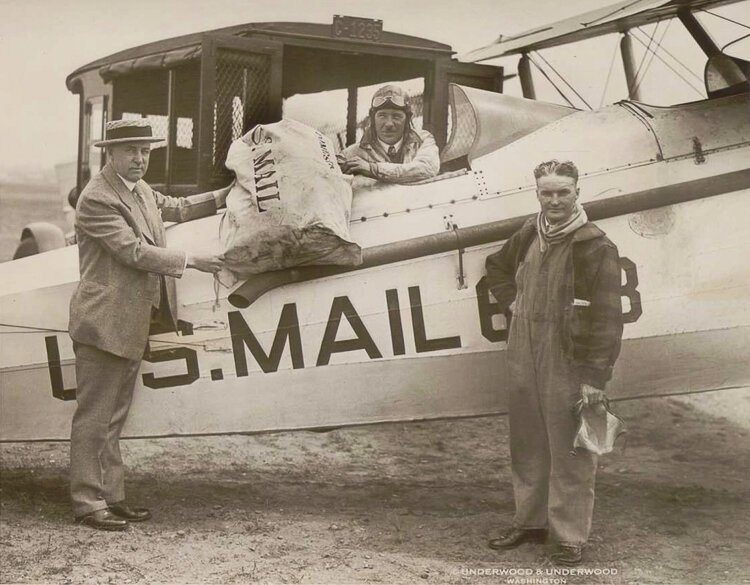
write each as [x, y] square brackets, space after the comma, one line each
[121, 252]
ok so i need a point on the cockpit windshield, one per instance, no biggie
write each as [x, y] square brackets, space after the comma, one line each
[483, 121]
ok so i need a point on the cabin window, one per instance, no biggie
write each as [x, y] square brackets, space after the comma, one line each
[147, 94]
[242, 82]
[186, 103]
[413, 87]
[332, 90]
[329, 111]
[94, 121]
[326, 111]
[144, 95]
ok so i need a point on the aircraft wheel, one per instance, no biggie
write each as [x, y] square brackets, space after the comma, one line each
[39, 237]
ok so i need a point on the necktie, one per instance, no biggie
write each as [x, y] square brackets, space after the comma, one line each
[140, 199]
[392, 153]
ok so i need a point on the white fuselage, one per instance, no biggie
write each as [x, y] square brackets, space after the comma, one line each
[405, 341]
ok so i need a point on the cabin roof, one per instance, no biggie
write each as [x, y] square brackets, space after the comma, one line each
[300, 31]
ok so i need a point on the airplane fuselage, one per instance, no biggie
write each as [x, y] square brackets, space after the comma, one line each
[418, 337]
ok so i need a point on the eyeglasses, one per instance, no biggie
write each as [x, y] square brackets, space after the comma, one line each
[396, 100]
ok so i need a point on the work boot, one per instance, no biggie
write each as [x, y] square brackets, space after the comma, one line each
[567, 555]
[103, 520]
[517, 536]
[126, 512]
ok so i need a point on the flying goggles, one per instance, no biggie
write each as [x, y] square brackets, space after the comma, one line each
[397, 100]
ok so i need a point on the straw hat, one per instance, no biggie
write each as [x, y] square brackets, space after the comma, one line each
[121, 131]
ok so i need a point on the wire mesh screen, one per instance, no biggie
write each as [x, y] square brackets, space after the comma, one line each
[159, 126]
[462, 127]
[184, 132]
[242, 81]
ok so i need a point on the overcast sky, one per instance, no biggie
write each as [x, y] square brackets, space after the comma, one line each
[42, 41]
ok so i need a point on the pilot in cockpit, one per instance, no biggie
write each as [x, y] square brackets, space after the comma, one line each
[391, 150]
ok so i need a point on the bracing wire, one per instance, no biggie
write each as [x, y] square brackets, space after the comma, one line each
[698, 91]
[30, 329]
[34, 329]
[547, 77]
[609, 73]
[565, 81]
[656, 49]
[647, 53]
[666, 52]
[724, 18]
[651, 60]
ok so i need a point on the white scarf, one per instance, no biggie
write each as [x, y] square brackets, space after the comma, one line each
[550, 234]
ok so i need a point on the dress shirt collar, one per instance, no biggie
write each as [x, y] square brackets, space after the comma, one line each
[396, 146]
[129, 184]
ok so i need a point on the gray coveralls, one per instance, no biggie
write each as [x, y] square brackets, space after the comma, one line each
[553, 489]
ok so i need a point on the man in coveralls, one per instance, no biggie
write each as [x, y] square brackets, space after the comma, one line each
[560, 277]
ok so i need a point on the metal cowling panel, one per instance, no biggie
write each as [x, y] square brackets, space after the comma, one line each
[599, 141]
[717, 124]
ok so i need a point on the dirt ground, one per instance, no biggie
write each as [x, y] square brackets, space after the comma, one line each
[396, 503]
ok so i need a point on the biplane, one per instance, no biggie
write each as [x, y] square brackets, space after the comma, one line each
[412, 333]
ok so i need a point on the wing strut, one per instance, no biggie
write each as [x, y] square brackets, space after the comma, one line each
[527, 81]
[701, 36]
[628, 63]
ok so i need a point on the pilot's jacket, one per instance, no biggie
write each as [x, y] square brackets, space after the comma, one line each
[554, 347]
[591, 339]
[418, 157]
[121, 241]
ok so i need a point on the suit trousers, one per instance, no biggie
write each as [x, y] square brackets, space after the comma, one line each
[105, 384]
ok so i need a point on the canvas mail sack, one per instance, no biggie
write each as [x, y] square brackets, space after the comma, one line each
[289, 206]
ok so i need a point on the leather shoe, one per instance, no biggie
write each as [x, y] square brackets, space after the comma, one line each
[567, 555]
[517, 536]
[122, 510]
[103, 520]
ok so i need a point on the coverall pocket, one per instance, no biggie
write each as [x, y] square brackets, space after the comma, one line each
[578, 327]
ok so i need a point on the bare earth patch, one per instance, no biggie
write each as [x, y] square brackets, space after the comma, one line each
[397, 503]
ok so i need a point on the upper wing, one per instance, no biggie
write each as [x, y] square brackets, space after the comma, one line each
[614, 18]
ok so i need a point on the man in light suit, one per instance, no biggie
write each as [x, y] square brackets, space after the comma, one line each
[127, 282]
